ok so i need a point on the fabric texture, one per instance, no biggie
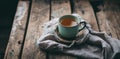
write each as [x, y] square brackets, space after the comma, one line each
[89, 44]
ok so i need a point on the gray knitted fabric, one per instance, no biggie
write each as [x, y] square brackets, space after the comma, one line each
[88, 45]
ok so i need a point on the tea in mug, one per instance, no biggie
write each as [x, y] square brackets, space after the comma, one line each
[68, 22]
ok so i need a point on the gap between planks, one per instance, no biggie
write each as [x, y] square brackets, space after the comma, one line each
[85, 10]
[40, 10]
[107, 19]
[58, 9]
[17, 33]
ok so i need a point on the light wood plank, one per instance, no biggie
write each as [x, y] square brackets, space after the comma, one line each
[39, 14]
[58, 9]
[108, 19]
[85, 10]
[105, 24]
[113, 15]
[17, 32]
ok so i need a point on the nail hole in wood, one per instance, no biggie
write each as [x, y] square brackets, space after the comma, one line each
[19, 42]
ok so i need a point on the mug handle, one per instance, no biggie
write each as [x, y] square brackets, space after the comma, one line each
[83, 22]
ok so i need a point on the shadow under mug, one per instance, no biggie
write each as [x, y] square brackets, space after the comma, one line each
[70, 33]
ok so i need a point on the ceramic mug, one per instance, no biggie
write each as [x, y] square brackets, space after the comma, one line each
[69, 26]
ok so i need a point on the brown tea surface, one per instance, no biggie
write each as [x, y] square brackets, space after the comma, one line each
[68, 22]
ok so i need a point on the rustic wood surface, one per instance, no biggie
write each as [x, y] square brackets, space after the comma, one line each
[58, 9]
[105, 24]
[108, 17]
[85, 10]
[105, 20]
[39, 14]
[112, 11]
[16, 37]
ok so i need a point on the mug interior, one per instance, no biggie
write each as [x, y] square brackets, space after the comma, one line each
[69, 16]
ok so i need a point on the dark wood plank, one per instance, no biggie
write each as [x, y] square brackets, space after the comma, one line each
[85, 10]
[17, 33]
[58, 9]
[39, 14]
[108, 19]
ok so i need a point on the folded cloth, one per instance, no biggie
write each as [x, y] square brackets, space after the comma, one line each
[88, 45]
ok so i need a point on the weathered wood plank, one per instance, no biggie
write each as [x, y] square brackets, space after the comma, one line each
[105, 24]
[39, 14]
[108, 19]
[85, 10]
[58, 9]
[114, 17]
[17, 33]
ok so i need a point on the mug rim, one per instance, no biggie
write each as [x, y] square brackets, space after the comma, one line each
[66, 26]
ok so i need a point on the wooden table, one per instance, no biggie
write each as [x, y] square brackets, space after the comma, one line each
[30, 15]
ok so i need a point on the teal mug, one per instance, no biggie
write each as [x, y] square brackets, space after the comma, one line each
[69, 26]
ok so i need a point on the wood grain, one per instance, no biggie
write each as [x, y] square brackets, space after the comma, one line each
[58, 9]
[108, 19]
[39, 14]
[105, 24]
[85, 10]
[17, 32]
[112, 10]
